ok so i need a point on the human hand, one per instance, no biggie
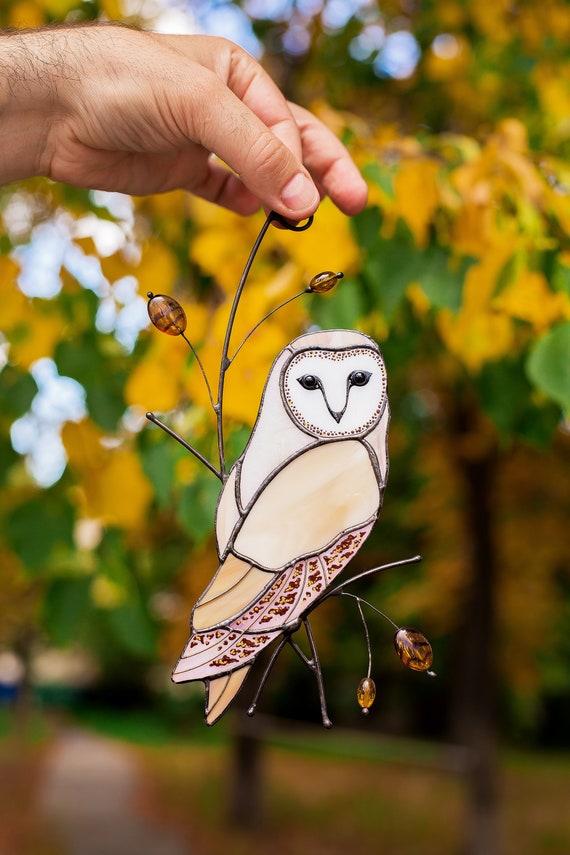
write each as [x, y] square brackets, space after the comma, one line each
[112, 108]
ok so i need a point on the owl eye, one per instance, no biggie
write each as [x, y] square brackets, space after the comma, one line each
[359, 378]
[309, 381]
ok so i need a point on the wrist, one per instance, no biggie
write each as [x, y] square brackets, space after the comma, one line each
[28, 102]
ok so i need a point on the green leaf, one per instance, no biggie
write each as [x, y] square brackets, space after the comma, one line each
[506, 397]
[102, 377]
[394, 263]
[235, 444]
[66, 606]
[382, 176]
[17, 391]
[38, 529]
[441, 278]
[7, 458]
[366, 227]
[391, 265]
[133, 627]
[561, 277]
[159, 465]
[342, 310]
[548, 365]
[197, 508]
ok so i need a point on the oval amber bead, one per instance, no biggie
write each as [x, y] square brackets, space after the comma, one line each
[366, 693]
[323, 282]
[166, 314]
[414, 649]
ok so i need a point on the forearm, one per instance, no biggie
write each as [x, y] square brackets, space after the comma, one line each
[113, 108]
[49, 76]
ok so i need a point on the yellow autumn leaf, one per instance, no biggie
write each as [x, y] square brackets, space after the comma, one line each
[418, 298]
[106, 593]
[171, 211]
[158, 268]
[113, 487]
[32, 326]
[123, 494]
[186, 470]
[247, 373]
[559, 205]
[38, 334]
[59, 8]
[375, 325]
[150, 387]
[448, 59]
[222, 244]
[417, 196]
[502, 170]
[9, 271]
[158, 381]
[552, 82]
[116, 266]
[247, 376]
[531, 299]
[474, 228]
[476, 338]
[26, 13]
[452, 14]
[480, 333]
[15, 304]
[327, 245]
[493, 20]
[481, 279]
[82, 442]
[218, 257]
[112, 9]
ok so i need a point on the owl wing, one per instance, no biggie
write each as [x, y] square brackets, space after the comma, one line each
[320, 494]
[298, 532]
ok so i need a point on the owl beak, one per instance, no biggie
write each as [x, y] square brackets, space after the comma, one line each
[337, 414]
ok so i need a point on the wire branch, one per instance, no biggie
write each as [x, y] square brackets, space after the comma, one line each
[225, 362]
[339, 589]
[156, 421]
[201, 367]
[265, 317]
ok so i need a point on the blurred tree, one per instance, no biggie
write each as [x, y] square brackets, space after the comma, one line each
[458, 113]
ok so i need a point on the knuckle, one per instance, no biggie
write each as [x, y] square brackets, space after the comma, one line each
[267, 156]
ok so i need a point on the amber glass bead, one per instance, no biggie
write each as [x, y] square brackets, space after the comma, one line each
[366, 693]
[414, 649]
[323, 282]
[166, 314]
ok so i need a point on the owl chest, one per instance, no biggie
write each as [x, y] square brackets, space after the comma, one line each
[304, 508]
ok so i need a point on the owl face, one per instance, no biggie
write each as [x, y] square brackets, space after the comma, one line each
[335, 392]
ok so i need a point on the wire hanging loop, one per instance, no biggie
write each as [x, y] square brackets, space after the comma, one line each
[225, 362]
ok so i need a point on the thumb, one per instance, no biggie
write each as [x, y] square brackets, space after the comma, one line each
[264, 164]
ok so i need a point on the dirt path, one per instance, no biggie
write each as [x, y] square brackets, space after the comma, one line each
[89, 797]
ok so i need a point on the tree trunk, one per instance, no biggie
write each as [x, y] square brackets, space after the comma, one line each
[246, 808]
[475, 713]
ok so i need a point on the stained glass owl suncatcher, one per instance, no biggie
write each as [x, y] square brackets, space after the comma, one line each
[295, 507]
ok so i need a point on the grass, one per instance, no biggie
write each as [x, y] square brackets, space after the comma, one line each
[23, 744]
[337, 792]
[312, 805]
[321, 793]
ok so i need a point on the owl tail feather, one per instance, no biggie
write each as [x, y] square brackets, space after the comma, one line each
[221, 691]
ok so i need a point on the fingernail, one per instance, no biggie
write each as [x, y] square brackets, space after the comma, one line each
[300, 193]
